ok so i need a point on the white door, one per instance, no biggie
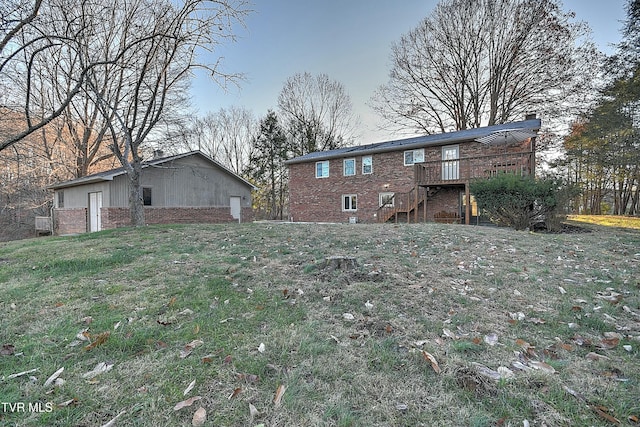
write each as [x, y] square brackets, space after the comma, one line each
[450, 162]
[95, 205]
[234, 202]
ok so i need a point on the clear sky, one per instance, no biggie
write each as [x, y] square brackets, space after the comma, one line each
[350, 41]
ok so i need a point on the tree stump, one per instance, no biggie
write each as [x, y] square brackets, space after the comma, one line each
[335, 262]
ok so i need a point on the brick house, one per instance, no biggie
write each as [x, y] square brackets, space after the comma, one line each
[187, 188]
[418, 179]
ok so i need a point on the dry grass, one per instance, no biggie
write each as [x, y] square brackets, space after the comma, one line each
[608, 220]
[347, 343]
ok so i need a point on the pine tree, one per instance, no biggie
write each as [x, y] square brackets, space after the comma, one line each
[267, 168]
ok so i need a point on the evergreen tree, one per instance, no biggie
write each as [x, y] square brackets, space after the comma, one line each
[267, 168]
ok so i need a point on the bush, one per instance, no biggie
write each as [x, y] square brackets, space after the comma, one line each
[522, 202]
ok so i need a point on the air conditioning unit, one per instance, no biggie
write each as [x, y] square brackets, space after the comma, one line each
[353, 220]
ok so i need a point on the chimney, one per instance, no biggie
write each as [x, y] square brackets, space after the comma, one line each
[158, 153]
[530, 116]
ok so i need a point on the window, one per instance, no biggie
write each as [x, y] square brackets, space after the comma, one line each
[349, 167]
[349, 202]
[322, 169]
[146, 196]
[413, 156]
[61, 199]
[367, 165]
[386, 200]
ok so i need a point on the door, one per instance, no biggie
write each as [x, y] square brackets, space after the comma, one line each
[234, 202]
[95, 216]
[450, 162]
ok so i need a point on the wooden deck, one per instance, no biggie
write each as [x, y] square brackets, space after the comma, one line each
[461, 171]
[431, 176]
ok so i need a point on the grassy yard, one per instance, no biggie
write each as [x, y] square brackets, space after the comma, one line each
[608, 220]
[247, 325]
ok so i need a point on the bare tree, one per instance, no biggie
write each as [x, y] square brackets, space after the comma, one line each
[481, 62]
[317, 113]
[143, 83]
[225, 136]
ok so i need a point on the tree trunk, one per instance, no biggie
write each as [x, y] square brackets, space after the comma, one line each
[136, 207]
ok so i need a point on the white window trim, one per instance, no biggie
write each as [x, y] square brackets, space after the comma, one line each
[371, 164]
[413, 156]
[350, 196]
[322, 162]
[344, 166]
[387, 193]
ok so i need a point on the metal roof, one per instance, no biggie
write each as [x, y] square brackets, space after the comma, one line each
[111, 174]
[467, 135]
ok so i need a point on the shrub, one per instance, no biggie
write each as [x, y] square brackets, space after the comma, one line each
[522, 202]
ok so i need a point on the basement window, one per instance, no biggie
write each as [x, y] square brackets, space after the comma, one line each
[349, 202]
[146, 196]
[386, 200]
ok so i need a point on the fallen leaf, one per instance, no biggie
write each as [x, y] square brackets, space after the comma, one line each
[100, 368]
[602, 413]
[186, 403]
[199, 417]
[491, 339]
[172, 301]
[253, 412]
[113, 420]
[7, 350]
[235, 393]
[609, 343]
[19, 374]
[487, 372]
[542, 366]
[227, 359]
[561, 289]
[447, 333]
[66, 403]
[98, 340]
[189, 388]
[434, 363]
[277, 399]
[189, 348]
[596, 356]
[348, 316]
[53, 377]
[83, 335]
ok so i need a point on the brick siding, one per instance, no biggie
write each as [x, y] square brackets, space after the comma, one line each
[73, 221]
[320, 199]
[69, 221]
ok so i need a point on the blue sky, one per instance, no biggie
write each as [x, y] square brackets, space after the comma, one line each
[349, 40]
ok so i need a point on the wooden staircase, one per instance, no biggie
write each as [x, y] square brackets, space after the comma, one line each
[405, 204]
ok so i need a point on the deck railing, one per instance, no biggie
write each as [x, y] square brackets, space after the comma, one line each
[400, 203]
[444, 172]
